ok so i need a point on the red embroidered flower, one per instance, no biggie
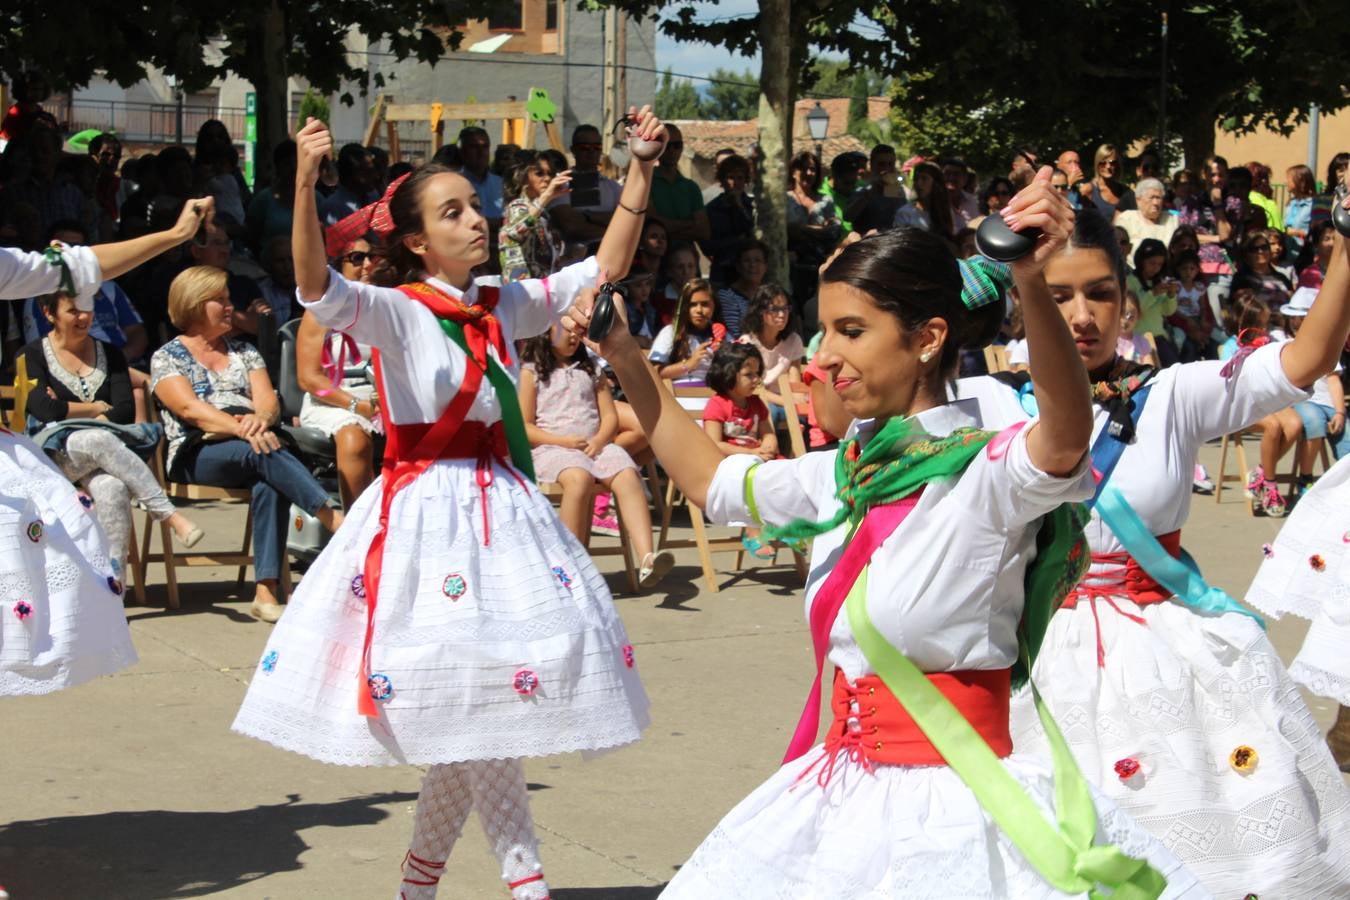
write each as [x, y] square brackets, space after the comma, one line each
[1267, 551]
[1317, 562]
[629, 657]
[1127, 768]
[23, 610]
[525, 682]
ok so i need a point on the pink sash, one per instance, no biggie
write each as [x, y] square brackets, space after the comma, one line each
[879, 523]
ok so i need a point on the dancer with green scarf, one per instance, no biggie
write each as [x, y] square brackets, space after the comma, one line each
[927, 536]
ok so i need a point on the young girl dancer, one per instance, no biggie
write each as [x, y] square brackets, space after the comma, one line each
[876, 812]
[452, 621]
[61, 619]
[1178, 706]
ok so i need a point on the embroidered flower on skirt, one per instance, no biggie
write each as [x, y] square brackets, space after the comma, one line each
[1243, 759]
[1267, 551]
[563, 578]
[454, 586]
[114, 585]
[525, 682]
[629, 657]
[269, 662]
[381, 688]
[23, 610]
[85, 500]
[359, 587]
[35, 531]
[1127, 768]
[1317, 562]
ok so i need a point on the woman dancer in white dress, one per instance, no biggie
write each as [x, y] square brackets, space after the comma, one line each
[453, 621]
[1178, 707]
[875, 812]
[61, 619]
[1306, 573]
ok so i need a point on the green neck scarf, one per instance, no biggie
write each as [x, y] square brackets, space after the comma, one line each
[897, 461]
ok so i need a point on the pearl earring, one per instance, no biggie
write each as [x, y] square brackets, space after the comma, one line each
[925, 356]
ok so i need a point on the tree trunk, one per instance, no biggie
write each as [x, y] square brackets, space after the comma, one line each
[1197, 136]
[265, 68]
[775, 124]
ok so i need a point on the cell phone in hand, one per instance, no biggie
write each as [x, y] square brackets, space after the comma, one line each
[585, 188]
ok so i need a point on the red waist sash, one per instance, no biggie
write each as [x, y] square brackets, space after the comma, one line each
[1125, 577]
[872, 727]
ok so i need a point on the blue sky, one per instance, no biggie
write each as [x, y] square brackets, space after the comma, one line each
[701, 59]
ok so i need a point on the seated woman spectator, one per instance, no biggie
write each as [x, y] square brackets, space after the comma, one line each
[1157, 295]
[219, 414]
[571, 422]
[1262, 194]
[1149, 219]
[995, 195]
[683, 349]
[737, 420]
[813, 226]
[1257, 272]
[527, 245]
[769, 329]
[1302, 187]
[678, 268]
[1106, 191]
[1315, 256]
[751, 265]
[731, 218]
[929, 207]
[82, 393]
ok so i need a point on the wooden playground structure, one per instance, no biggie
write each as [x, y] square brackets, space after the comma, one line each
[520, 120]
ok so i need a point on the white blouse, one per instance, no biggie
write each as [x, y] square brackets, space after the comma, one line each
[946, 588]
[24, 275]
[421, 367]
[1188, 405]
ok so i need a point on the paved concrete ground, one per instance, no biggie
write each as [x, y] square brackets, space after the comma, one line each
[134, 787]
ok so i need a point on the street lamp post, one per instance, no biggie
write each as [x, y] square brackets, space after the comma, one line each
[818, 122]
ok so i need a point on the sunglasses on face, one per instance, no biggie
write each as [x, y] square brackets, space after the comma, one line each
[359, 257]
[1109, 162]
[779, 310]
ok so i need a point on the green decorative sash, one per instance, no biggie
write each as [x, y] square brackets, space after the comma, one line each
[512, 420]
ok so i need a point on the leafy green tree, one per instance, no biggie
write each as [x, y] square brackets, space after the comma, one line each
[676, 99]
[731, 95]
[262, 41]
[315, 105]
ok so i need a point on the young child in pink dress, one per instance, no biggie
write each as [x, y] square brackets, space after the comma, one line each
[571, 422]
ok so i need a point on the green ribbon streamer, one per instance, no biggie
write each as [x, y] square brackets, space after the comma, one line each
[55, 257]
[512, 420]
[1063, 853]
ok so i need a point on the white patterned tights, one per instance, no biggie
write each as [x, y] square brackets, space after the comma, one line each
[494, 787]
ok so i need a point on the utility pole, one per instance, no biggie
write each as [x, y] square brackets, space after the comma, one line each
[1314, 116]
[1162, 99]
[610, 91]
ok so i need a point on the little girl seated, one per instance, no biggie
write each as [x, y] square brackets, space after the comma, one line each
[737, 420]
[1131, 346]
[1193, 323]
[571, 421]
[682, 350]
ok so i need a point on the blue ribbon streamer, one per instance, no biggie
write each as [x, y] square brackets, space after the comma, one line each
[1186, 583]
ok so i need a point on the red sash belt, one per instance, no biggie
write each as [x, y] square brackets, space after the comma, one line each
[872, 727]
[1124, 578]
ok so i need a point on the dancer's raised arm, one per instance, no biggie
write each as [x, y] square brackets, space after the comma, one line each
[313, 142]
[625, 228]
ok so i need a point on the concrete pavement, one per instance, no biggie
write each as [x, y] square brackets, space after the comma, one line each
[134, 787]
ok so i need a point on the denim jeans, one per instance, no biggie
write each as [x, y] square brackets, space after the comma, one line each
[274, 477]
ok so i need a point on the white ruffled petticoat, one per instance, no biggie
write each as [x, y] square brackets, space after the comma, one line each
[911, 832]
[61, 618]
[462, 631]
[1178, 695]
[1306, 573]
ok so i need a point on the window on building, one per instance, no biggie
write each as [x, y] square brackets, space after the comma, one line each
[551, 15]
[507, 16]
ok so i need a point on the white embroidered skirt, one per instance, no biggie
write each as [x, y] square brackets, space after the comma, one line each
[1179, 695]
[899, 832]
[61, 618]
[507, 650]
[1306, 572]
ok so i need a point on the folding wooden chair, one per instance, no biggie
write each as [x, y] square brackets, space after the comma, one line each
[996, 358]
[691, 397]
[793, 425]
[180, 492]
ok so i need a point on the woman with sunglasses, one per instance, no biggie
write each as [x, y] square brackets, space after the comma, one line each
[1257, 272]
[1107, 192]
[995, 195]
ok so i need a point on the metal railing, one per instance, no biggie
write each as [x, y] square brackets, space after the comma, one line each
[150, 123]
